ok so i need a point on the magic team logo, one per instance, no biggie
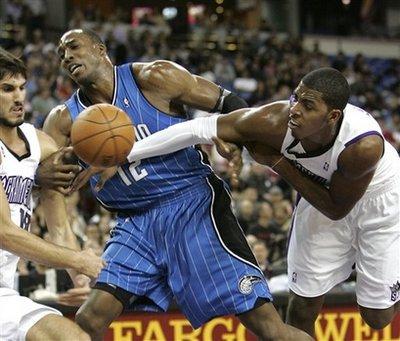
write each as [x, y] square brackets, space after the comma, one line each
[246, 284]
[395, 291]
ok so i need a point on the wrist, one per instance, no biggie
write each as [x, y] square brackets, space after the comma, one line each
[77, 261]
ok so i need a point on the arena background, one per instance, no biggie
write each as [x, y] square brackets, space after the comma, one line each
[259, 49]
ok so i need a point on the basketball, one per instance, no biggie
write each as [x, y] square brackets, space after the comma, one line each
[102, 135]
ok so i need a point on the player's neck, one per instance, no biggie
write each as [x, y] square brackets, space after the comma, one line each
[317, 141]
[324, 138]
[101, 89]
[9, 135]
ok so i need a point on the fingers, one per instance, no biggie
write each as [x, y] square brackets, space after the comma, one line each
[68, 168]
[222, 147]
[81, 281]
[81, 179]
[105, 175]
[74, 297]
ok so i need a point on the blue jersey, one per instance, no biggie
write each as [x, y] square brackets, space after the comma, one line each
[146, 183]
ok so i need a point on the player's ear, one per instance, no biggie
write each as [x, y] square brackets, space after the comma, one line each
[334, 115]
[103, 49]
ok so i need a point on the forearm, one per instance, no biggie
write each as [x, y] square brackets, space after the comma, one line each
[28, 246]
[54, 207]
[316, 194]
[174, 138]
[55, 213]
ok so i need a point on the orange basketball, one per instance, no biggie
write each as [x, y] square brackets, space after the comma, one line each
[102, 135]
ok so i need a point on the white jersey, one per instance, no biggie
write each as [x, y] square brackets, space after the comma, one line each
[17, 176]
[356, 124]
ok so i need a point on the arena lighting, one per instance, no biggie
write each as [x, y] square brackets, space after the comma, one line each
[219, 10]
[346, 2]
[213, 17]
[169, 12]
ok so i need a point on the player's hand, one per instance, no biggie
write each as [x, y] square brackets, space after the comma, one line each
[84, 176]
[77, 296]
[74, 297]
[89, 263]
[54, 173]
[233, 153]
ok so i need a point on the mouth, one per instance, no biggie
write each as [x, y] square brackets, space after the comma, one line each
[293, 124]
[74, 68]
[18, 110]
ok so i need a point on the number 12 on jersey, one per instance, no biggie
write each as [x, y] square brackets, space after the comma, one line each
[134, 171]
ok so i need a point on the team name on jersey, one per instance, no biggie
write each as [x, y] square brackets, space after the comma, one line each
[315, 177]
[18, 189]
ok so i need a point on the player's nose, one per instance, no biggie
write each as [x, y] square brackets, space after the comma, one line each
[68, 55]
[294, 110]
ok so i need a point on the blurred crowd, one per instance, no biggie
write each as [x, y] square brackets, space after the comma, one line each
[260, 65]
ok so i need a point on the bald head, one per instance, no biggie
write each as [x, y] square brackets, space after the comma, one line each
[93, 36]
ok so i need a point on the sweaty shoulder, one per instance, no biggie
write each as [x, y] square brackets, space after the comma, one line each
[58, 124]
[164, 76]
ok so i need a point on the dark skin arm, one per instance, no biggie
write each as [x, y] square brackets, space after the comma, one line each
[163, 82]
[356, 167]
[53, 172]
[262, 131]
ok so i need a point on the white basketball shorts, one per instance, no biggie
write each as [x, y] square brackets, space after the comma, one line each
[322, 252]
[18, 314]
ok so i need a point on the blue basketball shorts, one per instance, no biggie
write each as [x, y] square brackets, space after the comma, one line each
[193, 251]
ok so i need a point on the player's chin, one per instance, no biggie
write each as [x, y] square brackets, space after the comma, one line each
[12, 123]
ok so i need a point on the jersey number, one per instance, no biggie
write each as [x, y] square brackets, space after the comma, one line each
[141, 131]
[134, 171]
[25, 219]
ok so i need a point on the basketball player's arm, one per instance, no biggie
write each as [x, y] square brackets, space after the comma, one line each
[241, 127]
[356, 167]
[173, 82]
[54, 207]
[52, 172]
[28, 246]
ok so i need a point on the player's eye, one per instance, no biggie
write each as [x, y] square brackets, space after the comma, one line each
[308, 105]
[7, 88]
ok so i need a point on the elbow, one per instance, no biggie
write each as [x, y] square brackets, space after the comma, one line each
[337, 214]
[6, 236]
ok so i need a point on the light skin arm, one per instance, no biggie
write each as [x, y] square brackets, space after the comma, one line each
[26, 245]
[54, 207]
[356, 167]
[53, 203]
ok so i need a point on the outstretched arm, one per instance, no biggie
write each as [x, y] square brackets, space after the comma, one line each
[241, 126]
